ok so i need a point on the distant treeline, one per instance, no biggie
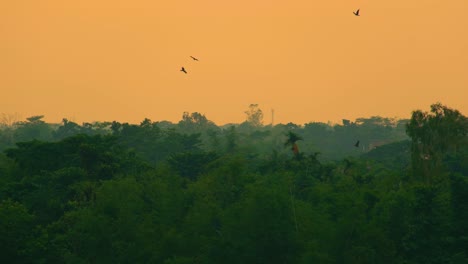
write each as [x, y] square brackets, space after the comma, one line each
[193, 192]
[152, 139]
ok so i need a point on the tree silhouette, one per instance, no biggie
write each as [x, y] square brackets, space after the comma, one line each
[291, 141]
[254, 115]
[434, 135]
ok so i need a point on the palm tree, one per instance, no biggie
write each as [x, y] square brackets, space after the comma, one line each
[292, 139]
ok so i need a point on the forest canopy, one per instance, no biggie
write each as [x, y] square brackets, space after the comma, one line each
[370, 190]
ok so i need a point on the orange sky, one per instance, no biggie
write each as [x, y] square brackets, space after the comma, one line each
[104, 60]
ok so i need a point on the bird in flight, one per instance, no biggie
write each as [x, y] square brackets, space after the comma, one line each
[183, 70]
[194, 58]
[357, 144]
[356, 13]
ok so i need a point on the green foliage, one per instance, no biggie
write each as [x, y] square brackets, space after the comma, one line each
[16, 232]
[395, 155]
[196, 193]
[434, 135]
[98, 155]
[194, 123]
[189, 164]
[231, 138]
[33, 128]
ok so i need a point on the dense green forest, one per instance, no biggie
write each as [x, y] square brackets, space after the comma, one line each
[372, 190]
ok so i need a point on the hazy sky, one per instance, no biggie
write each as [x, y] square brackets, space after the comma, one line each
[104, 60]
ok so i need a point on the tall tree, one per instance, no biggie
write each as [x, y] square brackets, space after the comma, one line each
[254, 115]
[33, 128]
[194, 123]
[434, 134]
[291, 141]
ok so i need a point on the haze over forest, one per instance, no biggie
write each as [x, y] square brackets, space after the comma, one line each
[333, 141]
[372, 190]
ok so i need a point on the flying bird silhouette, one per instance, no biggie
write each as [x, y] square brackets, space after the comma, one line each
[194, 58]
[357, 144]
[183, 70]
[356, 13]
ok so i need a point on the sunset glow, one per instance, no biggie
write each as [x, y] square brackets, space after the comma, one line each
[309, 60]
